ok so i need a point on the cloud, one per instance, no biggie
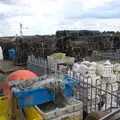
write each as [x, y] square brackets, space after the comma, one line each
[8, 1]
[47, 16]
[98, 9]
[13, 2]
[110, 10]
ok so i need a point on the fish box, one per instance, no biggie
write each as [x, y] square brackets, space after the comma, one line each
[31, 97]
[66, 110]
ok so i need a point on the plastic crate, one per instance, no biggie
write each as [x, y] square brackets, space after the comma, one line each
[32, 114]
[35, 96]
[31, 97]
[72, 108]
[69, 116]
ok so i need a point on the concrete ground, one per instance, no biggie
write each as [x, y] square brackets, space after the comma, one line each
[6, 67]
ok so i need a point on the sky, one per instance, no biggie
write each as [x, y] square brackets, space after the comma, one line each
[48, 16]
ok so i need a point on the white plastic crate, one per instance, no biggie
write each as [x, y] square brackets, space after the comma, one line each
[72, 116]
[70, 60]
[72, 108]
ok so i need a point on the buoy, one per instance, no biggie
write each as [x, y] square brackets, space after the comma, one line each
[17, 75]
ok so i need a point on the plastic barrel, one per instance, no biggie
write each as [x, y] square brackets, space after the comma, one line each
[11, 53]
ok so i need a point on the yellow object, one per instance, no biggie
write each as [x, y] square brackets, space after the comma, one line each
[4, 105]
[3, 117]
[58, 56]
[32, 114]
[5, 108]
[74, 118]
[8, 108]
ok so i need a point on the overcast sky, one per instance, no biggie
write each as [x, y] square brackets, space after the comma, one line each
[47, 16]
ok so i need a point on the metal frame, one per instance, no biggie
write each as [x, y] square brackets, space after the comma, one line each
[94, 95]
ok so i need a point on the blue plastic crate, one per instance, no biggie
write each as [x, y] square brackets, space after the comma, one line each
[33, 97]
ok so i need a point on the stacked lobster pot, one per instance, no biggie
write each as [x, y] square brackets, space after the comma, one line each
[99, 89]
[39, 46]
[37, 65]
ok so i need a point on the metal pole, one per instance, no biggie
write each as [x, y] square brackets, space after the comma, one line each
[110, 114]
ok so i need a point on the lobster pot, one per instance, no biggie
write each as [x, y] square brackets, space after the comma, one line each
[37, 65]
[70, 60]
[115, 87]
[92, 105]
[93, 93]
[109, 87]
[53, 64]
[70, 109]
[82, 93]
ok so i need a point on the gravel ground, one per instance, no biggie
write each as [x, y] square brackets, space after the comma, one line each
[6, 67]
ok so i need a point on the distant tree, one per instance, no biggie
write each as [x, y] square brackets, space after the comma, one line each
[117, 33]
